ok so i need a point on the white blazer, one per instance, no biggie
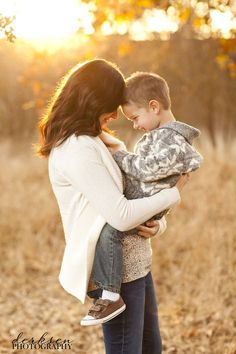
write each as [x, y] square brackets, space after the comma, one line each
[87, 184]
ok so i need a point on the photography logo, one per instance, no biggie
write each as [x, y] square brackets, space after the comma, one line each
[23, 343]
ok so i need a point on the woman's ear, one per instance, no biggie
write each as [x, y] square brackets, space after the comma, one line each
[154, 106]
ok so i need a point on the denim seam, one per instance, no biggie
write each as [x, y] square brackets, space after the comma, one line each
[112, 261]
[112, 273]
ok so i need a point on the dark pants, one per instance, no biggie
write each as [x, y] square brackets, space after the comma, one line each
[136, 330]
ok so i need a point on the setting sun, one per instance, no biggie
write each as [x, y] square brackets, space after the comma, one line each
[48, 21]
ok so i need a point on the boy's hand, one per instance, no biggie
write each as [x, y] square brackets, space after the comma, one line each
[149, 229]
[112, 143]
[113, 148]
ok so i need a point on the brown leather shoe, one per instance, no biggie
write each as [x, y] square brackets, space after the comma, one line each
[102, 311]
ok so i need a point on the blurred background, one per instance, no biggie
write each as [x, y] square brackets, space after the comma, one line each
[192, 44]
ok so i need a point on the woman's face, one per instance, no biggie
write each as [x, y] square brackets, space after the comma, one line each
[105, 117]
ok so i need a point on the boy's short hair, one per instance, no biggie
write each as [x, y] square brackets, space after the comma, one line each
[142, 87]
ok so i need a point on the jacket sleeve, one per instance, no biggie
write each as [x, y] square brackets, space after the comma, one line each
[87, 174]
[163, 226]
[165, 155]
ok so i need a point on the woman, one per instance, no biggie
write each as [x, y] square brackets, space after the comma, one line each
[88, 187]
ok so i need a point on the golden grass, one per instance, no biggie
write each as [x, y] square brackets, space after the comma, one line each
[193, 262]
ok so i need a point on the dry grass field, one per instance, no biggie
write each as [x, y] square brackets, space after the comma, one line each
[194, 263]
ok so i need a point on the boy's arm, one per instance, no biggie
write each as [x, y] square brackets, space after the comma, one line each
[167, 153]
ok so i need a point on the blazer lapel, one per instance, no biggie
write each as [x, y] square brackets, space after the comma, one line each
[110, 163]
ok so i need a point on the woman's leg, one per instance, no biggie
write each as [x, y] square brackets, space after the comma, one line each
[151, 333]
[124, 333]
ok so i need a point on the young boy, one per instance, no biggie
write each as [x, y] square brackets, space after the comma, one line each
[161, 156]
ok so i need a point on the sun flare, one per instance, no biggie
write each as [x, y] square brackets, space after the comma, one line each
[48, 20]
[223, 22]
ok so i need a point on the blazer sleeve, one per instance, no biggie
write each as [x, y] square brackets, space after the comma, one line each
[164, 156]
[163, 226]
[87, 174]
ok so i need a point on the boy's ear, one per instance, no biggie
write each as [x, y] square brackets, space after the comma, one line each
[154, 106]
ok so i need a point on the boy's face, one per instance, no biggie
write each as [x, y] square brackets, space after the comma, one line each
[143, 118]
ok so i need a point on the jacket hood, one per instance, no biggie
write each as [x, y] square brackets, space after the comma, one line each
[188, 132]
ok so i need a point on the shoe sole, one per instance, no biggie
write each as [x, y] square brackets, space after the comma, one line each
[103, 320]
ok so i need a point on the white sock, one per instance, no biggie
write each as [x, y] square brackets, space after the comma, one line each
[110, 295]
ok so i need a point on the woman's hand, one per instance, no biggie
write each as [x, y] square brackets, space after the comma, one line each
[182, 181]
[149, 229]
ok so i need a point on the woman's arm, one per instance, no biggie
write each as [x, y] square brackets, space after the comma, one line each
[87, 174]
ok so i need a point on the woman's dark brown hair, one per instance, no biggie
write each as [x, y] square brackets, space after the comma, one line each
[87, 91]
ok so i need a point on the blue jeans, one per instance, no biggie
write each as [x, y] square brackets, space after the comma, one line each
[136, 330]
[108, 260]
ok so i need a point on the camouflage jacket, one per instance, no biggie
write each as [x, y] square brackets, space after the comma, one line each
[159, 158]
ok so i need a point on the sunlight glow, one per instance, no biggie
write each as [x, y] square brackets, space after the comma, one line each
[49, 21]
[109, 28]
[154, 21]
[159, 21]
[223, 22]
[38, 20]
